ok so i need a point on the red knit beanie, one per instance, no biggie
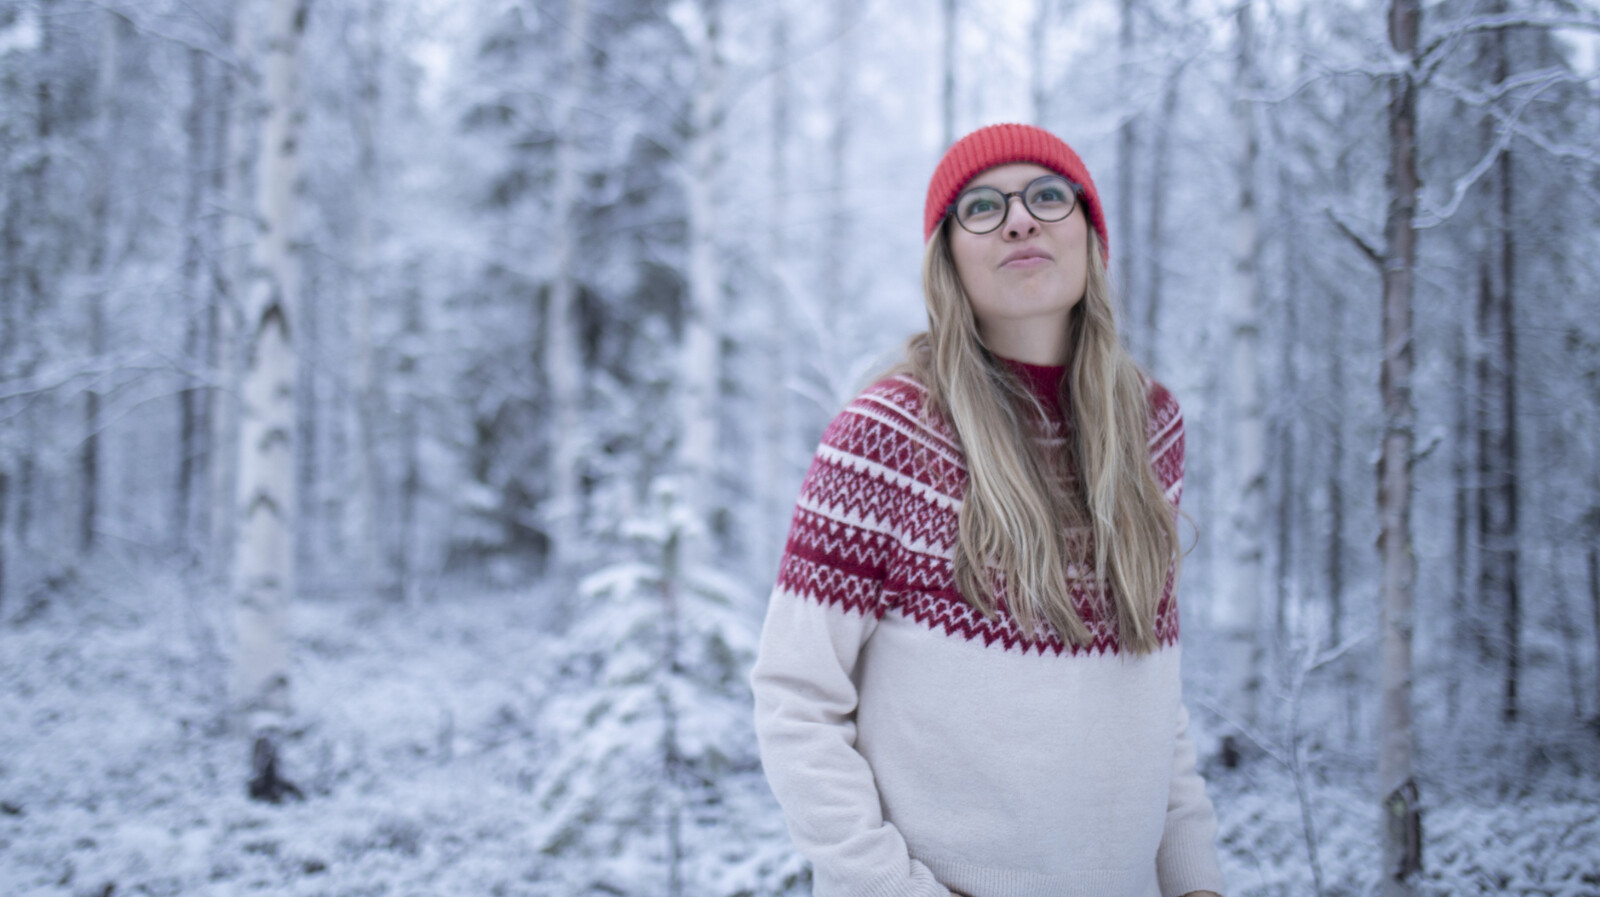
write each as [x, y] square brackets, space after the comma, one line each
[1001, 144]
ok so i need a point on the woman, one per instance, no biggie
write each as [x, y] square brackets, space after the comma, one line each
[968, 676]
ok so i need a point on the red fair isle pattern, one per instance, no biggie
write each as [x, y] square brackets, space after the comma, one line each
[875, 526]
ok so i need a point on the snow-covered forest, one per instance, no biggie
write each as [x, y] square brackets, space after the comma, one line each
[402, 404]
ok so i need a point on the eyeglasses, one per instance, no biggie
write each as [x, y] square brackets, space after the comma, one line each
[982, 210]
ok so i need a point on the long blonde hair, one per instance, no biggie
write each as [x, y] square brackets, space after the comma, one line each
[1018, 506]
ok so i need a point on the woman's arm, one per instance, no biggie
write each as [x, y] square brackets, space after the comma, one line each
[1186, 861]
[825, 608]
[805, 705]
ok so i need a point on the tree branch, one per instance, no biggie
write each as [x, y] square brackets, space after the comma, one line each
[1372, 254]
[1479, 24]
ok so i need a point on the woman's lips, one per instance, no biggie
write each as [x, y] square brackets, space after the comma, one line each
[1025, 258]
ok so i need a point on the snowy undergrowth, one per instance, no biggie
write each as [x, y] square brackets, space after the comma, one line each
[431, 737]
[1541, 842]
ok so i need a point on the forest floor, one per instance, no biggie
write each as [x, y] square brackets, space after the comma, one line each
[120, 776]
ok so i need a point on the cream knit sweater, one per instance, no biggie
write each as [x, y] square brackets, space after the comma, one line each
[917, 748]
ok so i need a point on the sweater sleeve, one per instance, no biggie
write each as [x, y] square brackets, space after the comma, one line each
[1187, 858]
[825, 607]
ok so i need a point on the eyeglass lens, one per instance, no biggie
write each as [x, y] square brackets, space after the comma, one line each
[982, 209]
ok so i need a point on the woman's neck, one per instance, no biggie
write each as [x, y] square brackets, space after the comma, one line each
[1027, 340]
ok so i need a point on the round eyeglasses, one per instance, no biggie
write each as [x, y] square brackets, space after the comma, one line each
[982, 210]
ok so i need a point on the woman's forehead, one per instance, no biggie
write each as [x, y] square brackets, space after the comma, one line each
[1009, 177]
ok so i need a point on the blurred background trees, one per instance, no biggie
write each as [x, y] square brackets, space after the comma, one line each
[550, 256]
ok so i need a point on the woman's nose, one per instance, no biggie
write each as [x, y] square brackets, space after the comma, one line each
[1022, 224]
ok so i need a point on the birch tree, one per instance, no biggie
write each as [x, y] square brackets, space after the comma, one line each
[1248, 526]
[1399, 799]
[263, 566]
[701, 354]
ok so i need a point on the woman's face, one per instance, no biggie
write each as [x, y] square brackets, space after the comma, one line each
[1025, 277]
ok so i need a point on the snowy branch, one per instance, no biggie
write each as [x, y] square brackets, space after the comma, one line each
[1480, 24]
[224, 56]
[1366, 248]
[1508, 128]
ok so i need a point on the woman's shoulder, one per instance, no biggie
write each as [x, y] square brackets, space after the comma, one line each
[1165, 413]
[1164, 432]
[887, 415]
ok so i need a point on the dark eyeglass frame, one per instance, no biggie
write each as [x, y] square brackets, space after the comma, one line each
[1005, 199]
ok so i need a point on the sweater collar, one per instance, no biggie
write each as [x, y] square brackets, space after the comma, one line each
[1043, 381]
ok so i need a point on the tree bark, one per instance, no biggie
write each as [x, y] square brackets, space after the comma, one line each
[1594, 609]
[1287, 524]
[947, 106]
[701, 360]
[239, 125]
[264, 581]
[363, 518]
[563, 362]
[1508, 544]
[191, 422]
[776, 408]
[1462, 628]
[1123, 252]
[1156, 238]
[1397, 787]
[100, 265]
[1038, 43]
[407, 538]
[1243, 629]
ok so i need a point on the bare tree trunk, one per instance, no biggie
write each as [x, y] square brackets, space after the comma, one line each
[42, 264]
[564, 365]
[697, 450]
[1038, 42]
[100, 265]
[363, 518]
[264, 582]
[777, 420]
[190, 410]
[1461, 474]
[406, 554]
[1288, 481]
[1243, 629]
[1127, 144]
[1397, 786]
[1155, 241]
[671, 749]
[1594, 609]
[1507, 545]
[239, 123]
[5, 497]
[948, 105]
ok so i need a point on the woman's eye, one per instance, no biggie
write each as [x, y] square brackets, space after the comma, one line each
[980, 206]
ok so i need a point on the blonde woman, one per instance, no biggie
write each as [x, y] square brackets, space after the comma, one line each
[968, 676]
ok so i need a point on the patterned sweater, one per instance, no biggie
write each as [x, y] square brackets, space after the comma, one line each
[918, 748]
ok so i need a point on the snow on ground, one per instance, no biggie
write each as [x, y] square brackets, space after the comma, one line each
[418, 751]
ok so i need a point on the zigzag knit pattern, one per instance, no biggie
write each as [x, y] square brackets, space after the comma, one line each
[876, 524]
